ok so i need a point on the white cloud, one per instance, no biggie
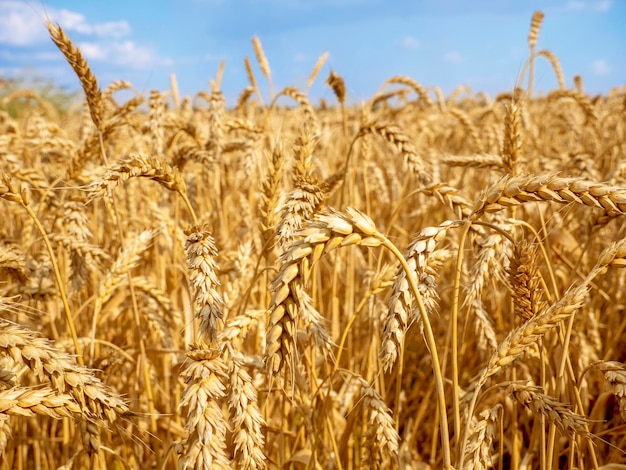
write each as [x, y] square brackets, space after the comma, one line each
[134, 55]
[593, 5]
[22, 25]
[453, 57]
[19, 25]
[73, 21]
[410, 42]
[125, 53]
[93, 51]
[600, 67]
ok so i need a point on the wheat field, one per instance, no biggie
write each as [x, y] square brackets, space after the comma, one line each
[414, 282]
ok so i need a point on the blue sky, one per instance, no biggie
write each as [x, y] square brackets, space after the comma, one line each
[478, 43]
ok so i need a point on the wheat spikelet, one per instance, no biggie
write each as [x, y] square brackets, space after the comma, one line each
[525, 280]
[481, 437]
[615, 374]
[173, 315]
[252, 78]
[37, 401]
[381, 441]
[559, 414]
[316, 69]
[246, 420]
[12, 260]
[307, 199]
[136, 165]
[512, 147]
[482, 160]
[241, 124]
[313, 321]
[13, 192]
[490, 257]
[402, 310]
[327, 232]
[517, 190]
[383, 98]
[94, 399]
[201, 254]
[451, 198]
[580, 98]
[556, 66]
[467, 125]
[205, 376]
[413, 84]
[483, 325]
[155, 119]
[517, 341]
[261, 58]
[535, 26]
[270, 195]
[84, 257]
[243, 98]
[113, 87]
[395, 136]
[191, 152]
[215, 138]
[309, 113]
[87, 79]
[578, 84]
[238, 326]
[338, 86]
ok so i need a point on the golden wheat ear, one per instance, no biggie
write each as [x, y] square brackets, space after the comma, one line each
[79, 64]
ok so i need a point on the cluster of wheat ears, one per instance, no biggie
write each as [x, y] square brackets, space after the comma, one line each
[415, 282]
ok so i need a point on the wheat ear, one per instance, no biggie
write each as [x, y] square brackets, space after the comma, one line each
[137, 165]
[201, 254]
[402, 304]
[205, 376]
[246, 419]
[517, 190]
[87, 79]
[615, 374]
[381, 441]
[395, 136]
[559, 414]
